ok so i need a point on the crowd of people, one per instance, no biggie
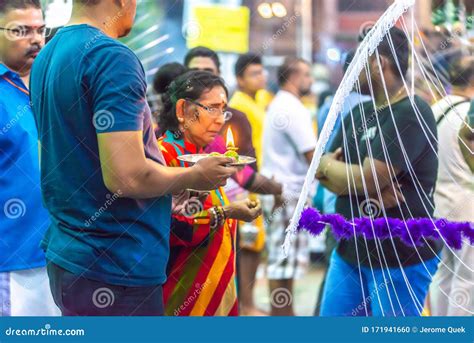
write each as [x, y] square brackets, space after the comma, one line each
[102, 216]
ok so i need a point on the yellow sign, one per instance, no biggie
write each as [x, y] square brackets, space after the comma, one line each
[221, 28]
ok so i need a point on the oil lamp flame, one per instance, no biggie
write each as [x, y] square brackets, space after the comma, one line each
[230, 139]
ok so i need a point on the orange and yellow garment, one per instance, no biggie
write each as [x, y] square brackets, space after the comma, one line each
[201, 270]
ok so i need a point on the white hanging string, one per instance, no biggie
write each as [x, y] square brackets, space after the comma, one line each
[366, 49]
[421, 120]
[411, 169]
[441, 90]
[367, 198]
[450, 249]
[421, 193]
[393, 178]
[346, 158]
[416, 301]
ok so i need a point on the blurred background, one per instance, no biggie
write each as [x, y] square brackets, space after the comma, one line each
[321, 31]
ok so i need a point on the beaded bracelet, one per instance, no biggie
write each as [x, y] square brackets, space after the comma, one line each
[221, 211]
[214, 219]
[219, 217]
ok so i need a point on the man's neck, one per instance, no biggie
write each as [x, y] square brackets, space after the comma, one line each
[249, 93]
[100, 22]
[26, 80]
[291, 90]
[395, 92]
[24, 73]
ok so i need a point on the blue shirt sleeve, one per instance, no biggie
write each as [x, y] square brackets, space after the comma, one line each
[323, 112]
[117, 88]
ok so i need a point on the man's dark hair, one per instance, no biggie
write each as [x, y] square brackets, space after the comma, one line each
[202, 51]
[190, 85]
[348, 60]
[462, 71]
[288, 68]
[18, 4]
[400, 44]
[166, 74]
[244, 61]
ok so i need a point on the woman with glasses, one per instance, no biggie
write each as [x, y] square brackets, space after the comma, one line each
[201, 269]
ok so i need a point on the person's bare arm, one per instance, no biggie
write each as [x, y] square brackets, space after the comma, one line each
[127, 171]
[264, 185]
[309, 156]
[334, 175]
[466, 143]
[381, 179]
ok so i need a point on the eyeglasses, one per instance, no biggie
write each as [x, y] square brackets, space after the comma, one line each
[22, 32]
[213, 111]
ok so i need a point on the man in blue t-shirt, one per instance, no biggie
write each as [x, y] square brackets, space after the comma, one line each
[24, 286]
[103, 176]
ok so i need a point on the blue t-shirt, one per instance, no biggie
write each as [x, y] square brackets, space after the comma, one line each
[23, 220]
[84, 83]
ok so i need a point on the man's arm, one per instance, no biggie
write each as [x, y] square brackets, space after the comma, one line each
[127, 171]
[466, 143]
[338, 176]
[264, 185]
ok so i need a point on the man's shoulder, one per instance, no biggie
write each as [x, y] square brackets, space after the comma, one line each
[111, 47]
[421, 108]
[245, 104]
[92, 41]
[239, 100]
[87, 43]
[456, 105]
[415, 113]
[285, 102]
[420, 103]
[366, 105]
[284, 96]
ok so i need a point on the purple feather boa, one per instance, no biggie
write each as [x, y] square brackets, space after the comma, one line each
[411, 232]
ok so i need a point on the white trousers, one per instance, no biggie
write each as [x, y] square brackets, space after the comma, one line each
[452, 290]
[26, 293]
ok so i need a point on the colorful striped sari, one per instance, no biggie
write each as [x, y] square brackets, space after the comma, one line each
[201, 269]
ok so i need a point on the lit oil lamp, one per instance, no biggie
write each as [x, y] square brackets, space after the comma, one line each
[230, 145]
[231, 151]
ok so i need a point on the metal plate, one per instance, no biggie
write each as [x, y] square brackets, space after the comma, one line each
[243, 160]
